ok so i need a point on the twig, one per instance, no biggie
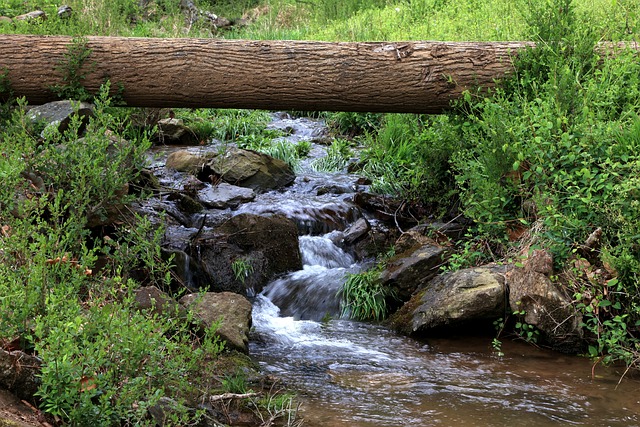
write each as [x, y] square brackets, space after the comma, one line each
[228, 396]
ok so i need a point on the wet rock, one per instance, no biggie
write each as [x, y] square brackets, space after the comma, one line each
[225, 195]
[19, 373]
[59, 113]
[232, 310]
[185, 161]
[187, 273]
[185, 203]
[251, 169]
[418, 261]
[267, 245]
[545, 305]
[464, 297]
[173, 131]
[167, 410]
[334, 189]
[357, 231]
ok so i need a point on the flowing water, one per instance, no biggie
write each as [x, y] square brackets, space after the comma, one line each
[350, 373]
[360, 374]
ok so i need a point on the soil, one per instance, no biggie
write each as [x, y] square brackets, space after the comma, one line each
[15, 413]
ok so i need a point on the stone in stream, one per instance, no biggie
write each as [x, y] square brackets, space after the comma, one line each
[264, 246]
[418, 260]
[455, 299]
[173, 131]
[251, 169]
[186, 161]
[223, 195]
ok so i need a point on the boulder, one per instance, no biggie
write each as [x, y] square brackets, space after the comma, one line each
[31, 16]
[173, 131]
[266, 246]
[418, 261]
[251, 169]
[185, 161]
[456, 299]
[232, 310]
[58, 114]
[544, 304]
[225, 195]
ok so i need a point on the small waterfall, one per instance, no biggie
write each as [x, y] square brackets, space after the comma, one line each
[312, 293]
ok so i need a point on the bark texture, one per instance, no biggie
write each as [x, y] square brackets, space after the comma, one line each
[420, 77]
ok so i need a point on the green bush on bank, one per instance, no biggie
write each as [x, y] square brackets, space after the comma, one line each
[103, 361]
[559, 146]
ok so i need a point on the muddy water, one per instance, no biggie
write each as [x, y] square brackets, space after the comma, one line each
[360, 375]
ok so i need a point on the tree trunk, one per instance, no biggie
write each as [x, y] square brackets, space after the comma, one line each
[417, 77]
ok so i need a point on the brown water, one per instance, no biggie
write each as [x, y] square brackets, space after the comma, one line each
[363, 375]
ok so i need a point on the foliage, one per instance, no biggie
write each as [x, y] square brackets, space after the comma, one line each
[104, 362]
[409, 157]
[364, 297]
[336, 159]
[73, 69]
[242, 269]
[559, 145]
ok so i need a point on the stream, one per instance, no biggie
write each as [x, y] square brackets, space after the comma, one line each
[350, 373]
[359, 374]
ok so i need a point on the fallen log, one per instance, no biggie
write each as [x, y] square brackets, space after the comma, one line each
[416, 77]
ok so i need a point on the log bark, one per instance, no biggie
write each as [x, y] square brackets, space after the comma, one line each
[416, 77]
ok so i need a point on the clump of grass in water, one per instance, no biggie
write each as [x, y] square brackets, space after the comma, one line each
[364, 297]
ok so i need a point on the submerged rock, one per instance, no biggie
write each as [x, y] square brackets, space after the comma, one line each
[455, 299]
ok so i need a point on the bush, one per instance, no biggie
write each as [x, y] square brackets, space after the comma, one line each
[559, 145]
[103, 361]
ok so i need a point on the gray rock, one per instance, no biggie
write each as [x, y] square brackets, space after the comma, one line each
[5, 20]
[65, 11]
[412, 268]
[358, 230]
[251, 169]
[455, 299]
[269, 245]
[36, 14]
[225, 195]
[173, 131]
[545, 305]
[232, 310]
[58, 113]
